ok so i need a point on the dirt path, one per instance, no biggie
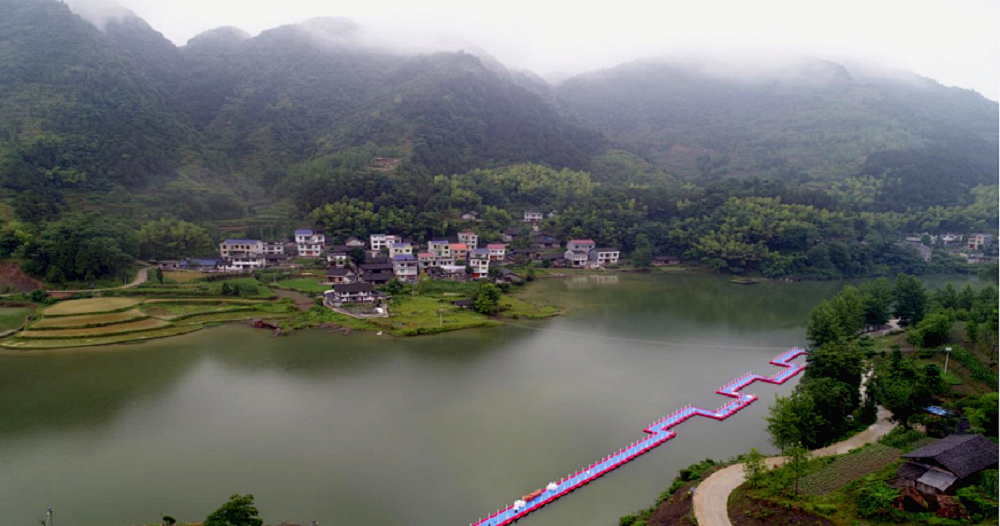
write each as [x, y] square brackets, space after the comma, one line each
[712, 495]
[140, 278]
[302, 301]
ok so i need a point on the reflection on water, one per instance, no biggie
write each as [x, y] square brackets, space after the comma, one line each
[374, 430]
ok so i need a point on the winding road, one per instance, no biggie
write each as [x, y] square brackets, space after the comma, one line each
[712, 496]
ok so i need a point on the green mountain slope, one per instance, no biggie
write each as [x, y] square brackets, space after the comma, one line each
[808, 119]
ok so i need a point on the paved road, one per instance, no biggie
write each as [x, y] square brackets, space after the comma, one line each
[712, 495]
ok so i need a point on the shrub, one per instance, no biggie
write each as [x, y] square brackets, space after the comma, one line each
[875, 499]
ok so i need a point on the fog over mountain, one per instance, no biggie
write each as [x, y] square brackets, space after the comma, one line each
[955, 44]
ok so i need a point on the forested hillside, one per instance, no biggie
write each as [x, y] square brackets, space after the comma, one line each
[812, 169]
[805, 120]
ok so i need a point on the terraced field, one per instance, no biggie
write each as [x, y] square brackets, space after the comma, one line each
[90, 306]
[847, 468]
[55, 343]
[88, 320]
[117, 328]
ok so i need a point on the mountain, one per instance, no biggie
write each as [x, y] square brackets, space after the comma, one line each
[75, 106]
[800, 120]
[116, 102]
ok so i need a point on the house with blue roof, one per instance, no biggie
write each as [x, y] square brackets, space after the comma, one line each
[310, 243]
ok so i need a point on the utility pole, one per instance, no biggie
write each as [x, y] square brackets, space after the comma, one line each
[947, 353]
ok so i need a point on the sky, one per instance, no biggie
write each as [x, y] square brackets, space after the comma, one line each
[956, 43]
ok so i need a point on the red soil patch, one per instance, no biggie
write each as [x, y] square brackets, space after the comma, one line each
[747, 511]
[11, 276]
[677, 509]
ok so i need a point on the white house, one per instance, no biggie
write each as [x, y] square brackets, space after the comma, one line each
[337, 258]
[244, 261]
[498, 251]
[585, 245]
[310, 243]
[354, 242]
[350, 293]
[405, 267]
[600, 257]
[479, 260]
[230, 246]
[469, 238]
[380, 241]
[440, 247]
[396, 249]
[577, 258]
[274, 247]
[532, 216]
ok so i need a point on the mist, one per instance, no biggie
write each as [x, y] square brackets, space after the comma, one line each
[955, 44]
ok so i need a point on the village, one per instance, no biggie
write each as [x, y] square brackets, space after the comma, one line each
[354, 268]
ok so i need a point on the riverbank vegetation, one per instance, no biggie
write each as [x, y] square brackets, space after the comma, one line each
[902, 371]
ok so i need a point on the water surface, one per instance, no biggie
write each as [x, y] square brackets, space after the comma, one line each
[371, 430]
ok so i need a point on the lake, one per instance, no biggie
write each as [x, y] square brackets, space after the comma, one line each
[365, 429]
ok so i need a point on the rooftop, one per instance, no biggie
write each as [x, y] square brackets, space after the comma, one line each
[307, 232]
[334, 271]
[496, 246]
[241, 241]
[582, 241]
[352, 288]
[459, 246]
[404, 257]
[963, 455]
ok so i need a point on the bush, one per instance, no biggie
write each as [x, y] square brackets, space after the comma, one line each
[875, 499]
[899, 438]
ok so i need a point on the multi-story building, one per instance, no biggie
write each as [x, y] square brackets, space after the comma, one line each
[577, 258]
[274, 247]
[230, 246]
[978, 241]
[600, 257]
[479, 260]
[309, 243]
[405, 267]
[459, 251]
[396, 249]
[440, 247]
[498, 251]
[337, 258]
[584, 245]
[532, 216]
[469, 238]
[380, 241]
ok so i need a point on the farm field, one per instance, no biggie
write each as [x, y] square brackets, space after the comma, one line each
[847, 468]
[83, 320]
[90, 305]
[139, 325]
[12, 317]
[182, 276]
[55, 343]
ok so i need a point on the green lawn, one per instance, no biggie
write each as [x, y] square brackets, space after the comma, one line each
[12, 317]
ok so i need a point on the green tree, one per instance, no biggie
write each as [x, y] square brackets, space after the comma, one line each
[877, 296]
[487, 300]
[932, 331]
[793, 420]
[225, 290]
[754, 467]
[159, 275]
[357, 256]
[911, 300]
[824, 325]
[173, 238]
[798, 458]
[972, 333]
[238, 511]
[642, 255]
